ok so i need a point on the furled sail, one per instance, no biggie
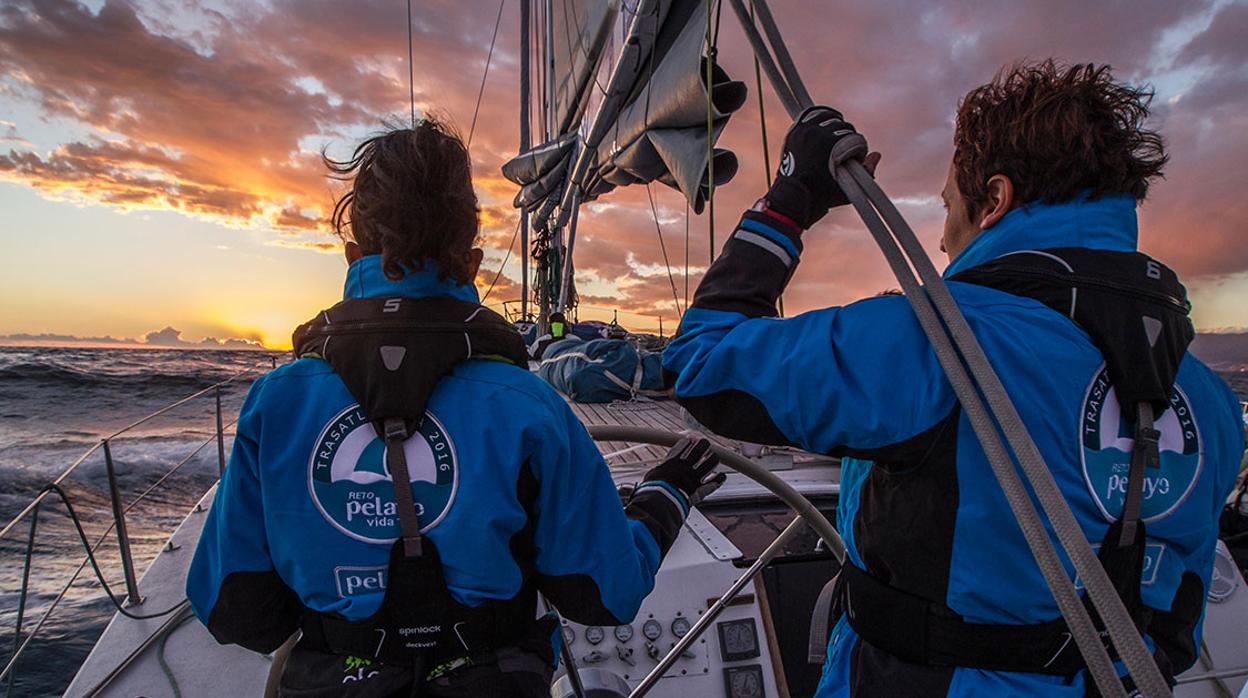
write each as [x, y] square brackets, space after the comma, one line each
[579, 33]
[651, 125]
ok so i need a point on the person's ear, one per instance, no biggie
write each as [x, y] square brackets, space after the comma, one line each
[352, 251]
[475, 255]
[1000, 200]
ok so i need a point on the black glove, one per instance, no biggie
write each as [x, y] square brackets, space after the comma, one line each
[804, 188]
[690, 468]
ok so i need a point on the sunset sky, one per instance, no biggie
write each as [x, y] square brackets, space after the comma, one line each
[159, 160]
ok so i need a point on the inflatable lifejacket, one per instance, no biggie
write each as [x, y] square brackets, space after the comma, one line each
[1135, 311]
[391, 353]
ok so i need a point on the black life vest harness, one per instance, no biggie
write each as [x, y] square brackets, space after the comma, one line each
[391, 353]
[1135, 311]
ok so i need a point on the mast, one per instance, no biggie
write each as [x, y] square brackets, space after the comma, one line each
[549, 126]
[612, 101]
[525, 142]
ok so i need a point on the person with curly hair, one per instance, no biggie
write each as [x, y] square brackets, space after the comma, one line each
[939, 594]
[402, 492]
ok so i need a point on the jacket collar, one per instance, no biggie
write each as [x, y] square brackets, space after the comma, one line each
[1107, 223]
[365, 279]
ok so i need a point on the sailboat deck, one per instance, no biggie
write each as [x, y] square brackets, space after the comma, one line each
[668, 416]
[663, 415]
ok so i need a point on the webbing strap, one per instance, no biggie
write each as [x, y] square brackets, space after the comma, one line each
[396, 464]
[1144, 455]
[821, 622]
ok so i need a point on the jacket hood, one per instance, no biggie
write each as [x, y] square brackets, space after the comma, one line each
[1108, 223]
[365, 279]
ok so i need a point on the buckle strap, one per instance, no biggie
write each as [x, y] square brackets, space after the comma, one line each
[1144, 455]
[916, 630]
[395, 431]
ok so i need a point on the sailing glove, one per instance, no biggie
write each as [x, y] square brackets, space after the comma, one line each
[690, 468]
[805, 189]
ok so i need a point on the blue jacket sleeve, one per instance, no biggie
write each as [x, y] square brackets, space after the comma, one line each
[232, 585]
[595, 562]
[853, 380]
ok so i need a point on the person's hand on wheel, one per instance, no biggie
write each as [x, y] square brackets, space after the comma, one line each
[690, 468]
[805, 188]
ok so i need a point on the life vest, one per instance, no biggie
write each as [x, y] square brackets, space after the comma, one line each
[1135, 311]
[391, 353]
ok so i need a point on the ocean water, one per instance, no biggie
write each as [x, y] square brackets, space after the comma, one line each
[55, 403]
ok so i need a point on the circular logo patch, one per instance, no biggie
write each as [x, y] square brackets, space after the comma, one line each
[787, 163]
[349, 484]
[1107, 441]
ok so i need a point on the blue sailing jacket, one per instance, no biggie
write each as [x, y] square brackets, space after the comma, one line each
[919, 506]
[508, 483]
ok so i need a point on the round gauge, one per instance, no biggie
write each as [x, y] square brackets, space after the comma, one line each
[569, 635]
[594, 634]
[623, 633]
[652, 629]
[746, 684]
[680, 626]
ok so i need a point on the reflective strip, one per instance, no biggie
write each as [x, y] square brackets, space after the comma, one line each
[667, 490]
[766, 244]
[770, 233]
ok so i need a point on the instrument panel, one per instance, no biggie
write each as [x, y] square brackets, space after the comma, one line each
[730, 658]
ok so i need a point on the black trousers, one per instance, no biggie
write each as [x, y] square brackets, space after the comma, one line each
[314, 674]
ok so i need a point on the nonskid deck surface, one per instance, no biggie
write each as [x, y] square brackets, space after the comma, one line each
[668, 416]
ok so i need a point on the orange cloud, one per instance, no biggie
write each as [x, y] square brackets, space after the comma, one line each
[222, 114]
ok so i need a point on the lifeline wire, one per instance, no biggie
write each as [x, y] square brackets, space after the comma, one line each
[489, 57]
[99, 575]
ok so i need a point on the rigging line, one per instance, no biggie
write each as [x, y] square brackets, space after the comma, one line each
[502, 266]
[663, 246]
[762, 110]
[411, 67]
[488, 58]
[711, 49]
[762, 120]
[719, 14]
[686, 253]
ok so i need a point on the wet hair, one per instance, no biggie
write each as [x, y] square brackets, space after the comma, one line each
[1057, 132]
[411, 200]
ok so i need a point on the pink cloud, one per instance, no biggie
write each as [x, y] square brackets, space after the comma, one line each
[223, 118]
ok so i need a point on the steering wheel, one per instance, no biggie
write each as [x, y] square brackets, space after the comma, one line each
[592, 684]
[787, 494]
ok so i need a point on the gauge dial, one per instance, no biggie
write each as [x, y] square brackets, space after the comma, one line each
[652, 629]
[623, 633]
[569, 635]
[680, 626]
[594, 634]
